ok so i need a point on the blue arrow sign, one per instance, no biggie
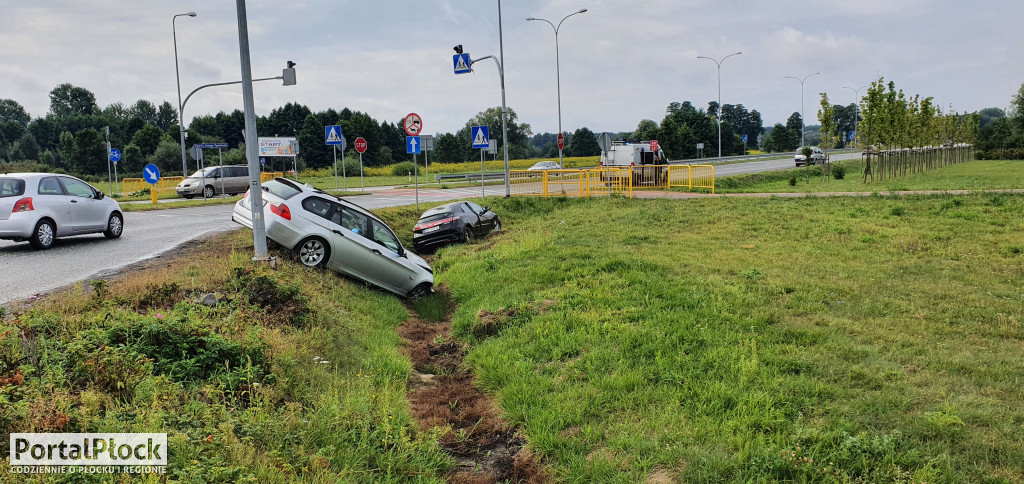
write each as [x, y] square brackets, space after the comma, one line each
[480, 137]
[851, 135]
[332, 136]
[413, 145]
[462, 64]
[744, 138]
[263, 161]
[204, 146]
[151, 174]
[115, 155]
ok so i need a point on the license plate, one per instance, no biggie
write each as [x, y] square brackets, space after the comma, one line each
[431, 229]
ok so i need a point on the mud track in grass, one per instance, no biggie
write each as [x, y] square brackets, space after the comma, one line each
[442, 394]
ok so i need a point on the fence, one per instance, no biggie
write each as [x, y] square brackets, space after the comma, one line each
[168, 184]
[608, 180]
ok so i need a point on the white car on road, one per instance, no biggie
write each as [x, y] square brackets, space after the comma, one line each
[39, 207]
[817, 156]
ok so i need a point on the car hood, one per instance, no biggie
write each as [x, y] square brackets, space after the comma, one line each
[418, 261]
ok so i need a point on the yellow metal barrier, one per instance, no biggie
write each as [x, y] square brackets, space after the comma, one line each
[608, 180]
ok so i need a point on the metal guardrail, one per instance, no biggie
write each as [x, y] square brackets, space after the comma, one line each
[470, 176]
[605, 181]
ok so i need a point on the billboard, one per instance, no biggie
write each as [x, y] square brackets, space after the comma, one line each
[278, 146]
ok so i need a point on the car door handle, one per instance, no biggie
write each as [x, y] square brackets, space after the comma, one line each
[338, 232]
[74, 201]
[375, 251]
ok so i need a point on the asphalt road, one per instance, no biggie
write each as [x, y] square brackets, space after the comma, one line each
[25, 272]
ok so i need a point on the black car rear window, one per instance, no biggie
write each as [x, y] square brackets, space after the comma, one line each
[281, 188]
[11, 187]
[436, 213]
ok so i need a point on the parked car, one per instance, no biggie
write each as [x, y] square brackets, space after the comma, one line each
[817, 156]
[545, 165]
[326, 231]
[453, 222]
[215, 180]
[39, 207]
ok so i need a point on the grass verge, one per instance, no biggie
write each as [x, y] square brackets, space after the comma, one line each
[291, 376]
[867, 339]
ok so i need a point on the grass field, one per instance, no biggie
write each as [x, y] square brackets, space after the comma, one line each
[973, 175]
[734, 340]
[292, 376]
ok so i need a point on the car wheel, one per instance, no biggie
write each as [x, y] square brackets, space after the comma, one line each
[497, 225]
[43, 236]
[208, 192]
[313, 252]
[115, 225]
[420, 291]
[467, 234]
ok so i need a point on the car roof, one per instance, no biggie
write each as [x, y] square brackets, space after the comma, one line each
[307, 190]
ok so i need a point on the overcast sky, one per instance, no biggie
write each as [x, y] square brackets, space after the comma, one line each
[621, 62]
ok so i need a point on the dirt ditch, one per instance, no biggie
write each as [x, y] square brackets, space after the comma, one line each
[442, 394]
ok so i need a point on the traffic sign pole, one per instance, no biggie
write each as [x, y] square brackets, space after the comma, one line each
[415, 169]
[335, 151]
[360, 148]
[483, 192]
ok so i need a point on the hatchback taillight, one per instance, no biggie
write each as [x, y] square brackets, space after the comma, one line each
[23, 205]
[281, 210]
[435, 223]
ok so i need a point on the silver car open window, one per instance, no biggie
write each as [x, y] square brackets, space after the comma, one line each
[77, 188]
[383, 236]
[50, 186]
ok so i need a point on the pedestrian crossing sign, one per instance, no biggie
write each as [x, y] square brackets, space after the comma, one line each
[480, 136]
[332, 135]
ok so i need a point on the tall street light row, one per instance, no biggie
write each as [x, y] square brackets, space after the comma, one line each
[558, 74]
[181, 122]
[802, 123]
[718, 63]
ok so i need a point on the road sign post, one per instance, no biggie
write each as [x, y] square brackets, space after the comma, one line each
[334, 138]
[151, 174]
[428, 144]
[413, 127]
[115, 156]
[360, 148]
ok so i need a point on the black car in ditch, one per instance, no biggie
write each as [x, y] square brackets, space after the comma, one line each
[453, 222]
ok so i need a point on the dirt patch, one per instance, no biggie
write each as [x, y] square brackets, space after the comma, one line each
[486, 448]
[660, 476]
[490, 323]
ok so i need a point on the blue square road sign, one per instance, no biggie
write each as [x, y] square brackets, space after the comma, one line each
[413, 145]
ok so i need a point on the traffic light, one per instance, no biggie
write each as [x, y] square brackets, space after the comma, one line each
[288, 74]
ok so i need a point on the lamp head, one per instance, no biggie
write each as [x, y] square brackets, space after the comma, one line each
[530, 19]
[582, 10]
[191, 14]
[458, 49]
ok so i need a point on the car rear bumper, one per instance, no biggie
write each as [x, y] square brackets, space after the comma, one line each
[435, 239]
[18, 225]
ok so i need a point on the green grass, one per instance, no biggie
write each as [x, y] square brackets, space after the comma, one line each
[726, 340]
[973, 175]
[294, 376]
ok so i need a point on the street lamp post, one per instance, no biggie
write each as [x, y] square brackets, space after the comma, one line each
[181, 121]
[856, 104]
[718, 63]
[558, 73]
[802, 122]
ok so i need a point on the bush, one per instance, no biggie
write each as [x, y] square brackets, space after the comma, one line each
[792, 181]
[839, 172]
[402, 169]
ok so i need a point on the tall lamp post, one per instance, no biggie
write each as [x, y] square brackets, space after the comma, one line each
[802, 123]
[558, 74]
[718, 63]
[181, 121]
[856, 104]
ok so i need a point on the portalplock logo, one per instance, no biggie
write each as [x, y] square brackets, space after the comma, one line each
[138, 451]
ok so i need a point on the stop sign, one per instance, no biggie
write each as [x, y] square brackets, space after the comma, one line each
[561, 141]
[361, 145]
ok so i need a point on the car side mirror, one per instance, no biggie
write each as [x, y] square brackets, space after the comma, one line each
[99, 195]
[487, 209]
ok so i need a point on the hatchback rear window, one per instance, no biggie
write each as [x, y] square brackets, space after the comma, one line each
[283, 189]
[436, 213]
[11, 187]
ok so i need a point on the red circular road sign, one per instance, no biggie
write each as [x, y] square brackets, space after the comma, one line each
[561, 141]
[413, 124]
[654, 145]
[360, 145]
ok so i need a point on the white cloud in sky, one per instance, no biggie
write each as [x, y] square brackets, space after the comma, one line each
[622, 61]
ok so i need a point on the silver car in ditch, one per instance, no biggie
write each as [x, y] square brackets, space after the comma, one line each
[39, 207]
[327, 231]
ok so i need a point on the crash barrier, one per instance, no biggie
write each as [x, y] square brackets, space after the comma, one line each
[168, 184]
[608, 180]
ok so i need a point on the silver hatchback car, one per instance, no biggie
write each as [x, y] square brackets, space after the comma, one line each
[324, 230]
[39, 207]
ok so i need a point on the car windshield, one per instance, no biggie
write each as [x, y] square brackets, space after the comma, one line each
[205, 172]
[436, 213]
[283, 189]
[11, 187]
